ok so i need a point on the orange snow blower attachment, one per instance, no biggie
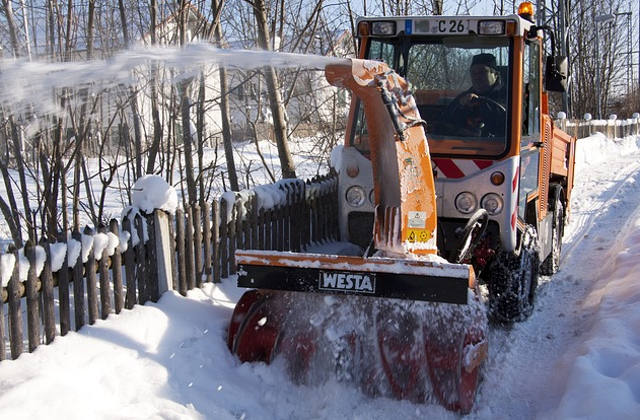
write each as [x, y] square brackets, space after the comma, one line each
[405, 217]
[399, 320]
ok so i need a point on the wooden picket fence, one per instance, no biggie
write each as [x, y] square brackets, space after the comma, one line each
[611, 128]
[203, 240]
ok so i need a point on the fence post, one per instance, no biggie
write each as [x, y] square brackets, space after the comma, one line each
[33, 311]
[129, 266]
[224, 239]
[162, 280]
[197, 243]
[92, 283]
[47, 294]
[105, 282]
[116, 269]
[63, 289]
[206, 238]
[215, 240]
[15, 314]
[141, 260]
[188, 249]
[182, 270]
[78, 283]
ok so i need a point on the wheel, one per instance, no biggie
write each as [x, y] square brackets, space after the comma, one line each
[551, 264]
[512, 281]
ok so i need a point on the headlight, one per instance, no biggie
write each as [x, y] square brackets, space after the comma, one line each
[492, 203]
[355, 196]
[466, 202]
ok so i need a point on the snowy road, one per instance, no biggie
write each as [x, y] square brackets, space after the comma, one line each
[577, 356]
[526, 374]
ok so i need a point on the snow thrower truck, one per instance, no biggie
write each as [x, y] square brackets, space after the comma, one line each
[443, 195]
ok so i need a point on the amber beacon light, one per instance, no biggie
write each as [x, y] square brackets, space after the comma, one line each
[525, 10]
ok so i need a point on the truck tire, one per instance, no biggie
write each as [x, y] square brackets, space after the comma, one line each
[512, 281]
[551, 264]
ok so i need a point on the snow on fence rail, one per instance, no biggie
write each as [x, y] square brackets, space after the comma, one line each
[114, 274]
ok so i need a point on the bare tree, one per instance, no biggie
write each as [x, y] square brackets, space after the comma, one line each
[273, 88]
[216, 6]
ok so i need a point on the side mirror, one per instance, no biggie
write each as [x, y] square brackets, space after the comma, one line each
[555, 74]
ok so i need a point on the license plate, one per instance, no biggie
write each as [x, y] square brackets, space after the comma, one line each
[443, 26]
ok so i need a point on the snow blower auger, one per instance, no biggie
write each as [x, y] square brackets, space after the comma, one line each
[399, 321]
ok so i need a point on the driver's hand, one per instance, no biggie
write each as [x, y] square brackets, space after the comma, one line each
[468, 99]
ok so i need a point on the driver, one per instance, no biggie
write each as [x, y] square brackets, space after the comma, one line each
[480, 109]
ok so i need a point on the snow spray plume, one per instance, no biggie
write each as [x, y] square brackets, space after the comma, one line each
[29, 86]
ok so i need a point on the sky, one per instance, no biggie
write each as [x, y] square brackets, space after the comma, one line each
[578, 356]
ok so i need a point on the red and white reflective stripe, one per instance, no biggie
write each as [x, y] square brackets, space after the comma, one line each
[514, 217]
[459, 168]
[514, 181]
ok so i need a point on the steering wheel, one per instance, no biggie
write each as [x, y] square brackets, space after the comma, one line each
[471, 119]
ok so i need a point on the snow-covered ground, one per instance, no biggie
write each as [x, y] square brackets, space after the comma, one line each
[578, 356]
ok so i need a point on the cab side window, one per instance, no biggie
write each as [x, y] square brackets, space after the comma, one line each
[531, 92]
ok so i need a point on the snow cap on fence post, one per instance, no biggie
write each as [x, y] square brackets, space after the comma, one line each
[587, 117]
[152, 192]
[156, 199]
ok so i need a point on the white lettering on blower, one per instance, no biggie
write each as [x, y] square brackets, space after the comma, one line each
[347, 282]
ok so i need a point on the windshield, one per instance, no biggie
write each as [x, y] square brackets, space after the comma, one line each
[461, 88]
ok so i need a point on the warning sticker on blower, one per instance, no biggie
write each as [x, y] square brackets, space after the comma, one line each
[418, 235]
[347, 281]
[417, 219]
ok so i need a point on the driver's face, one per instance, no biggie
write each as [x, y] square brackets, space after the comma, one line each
[482, 78]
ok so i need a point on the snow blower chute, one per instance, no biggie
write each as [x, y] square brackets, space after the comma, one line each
[399, 321]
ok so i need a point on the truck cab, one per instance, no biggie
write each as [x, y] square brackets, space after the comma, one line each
[498, 151]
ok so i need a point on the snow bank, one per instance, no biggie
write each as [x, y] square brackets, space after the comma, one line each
[152, 192]
[597, 149]
[604, 374]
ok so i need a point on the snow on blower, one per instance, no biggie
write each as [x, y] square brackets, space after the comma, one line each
[406, 318]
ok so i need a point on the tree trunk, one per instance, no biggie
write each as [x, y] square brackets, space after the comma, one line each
[224, 108]
[275, 99]
[187, 138]
[201, 134]
[92, 8]
[123, 23]
[155, 113]
[11, 23]
[26, 28]
[17, 151]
